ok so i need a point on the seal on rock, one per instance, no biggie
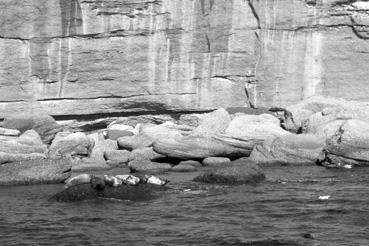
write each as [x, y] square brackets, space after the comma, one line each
[112, 181]
[129, 179]
[156, 181]
[97, 183]
[80, 179]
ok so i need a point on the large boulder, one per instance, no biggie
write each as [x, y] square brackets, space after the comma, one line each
[148, 134]
[213, 123]
[81, 192]
[134, 142]
[27, 146]
[258, 127]
[349, 146]
[116, 131]
[330, 119]
[197, 147]
[316, 104]
[43, 124]
[289, 149]
[241, 171]
[70, 144]
[96, 160]
[117, 157]
[35, 172]
[101, 145]
[146, 153]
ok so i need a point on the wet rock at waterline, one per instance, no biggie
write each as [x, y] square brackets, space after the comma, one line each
[148, 166]
[289, 150]
[183, 168]
[349, 146]
[216, 161]
[81, 192]
[35, 172]
[241, 171]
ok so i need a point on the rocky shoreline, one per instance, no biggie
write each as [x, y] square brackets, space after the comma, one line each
[229, 145]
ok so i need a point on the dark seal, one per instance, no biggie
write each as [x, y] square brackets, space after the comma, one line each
[97, 183]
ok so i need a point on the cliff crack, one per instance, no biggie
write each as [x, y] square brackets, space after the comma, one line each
[254, 12]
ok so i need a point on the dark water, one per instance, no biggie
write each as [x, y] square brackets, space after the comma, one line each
[284, 210]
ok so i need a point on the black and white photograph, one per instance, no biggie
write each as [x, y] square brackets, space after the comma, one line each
[184, 122]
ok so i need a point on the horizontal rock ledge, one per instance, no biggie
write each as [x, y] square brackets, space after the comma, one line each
[74, 107]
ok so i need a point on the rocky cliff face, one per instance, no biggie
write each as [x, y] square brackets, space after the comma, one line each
[78, 57]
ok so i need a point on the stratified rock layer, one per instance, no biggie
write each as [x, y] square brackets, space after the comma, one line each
[88, 57]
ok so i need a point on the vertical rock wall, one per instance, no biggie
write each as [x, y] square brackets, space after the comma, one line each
[78, 57]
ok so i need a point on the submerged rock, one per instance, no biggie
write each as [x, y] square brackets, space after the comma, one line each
[81, 192]
[35, 172]
[241, 171]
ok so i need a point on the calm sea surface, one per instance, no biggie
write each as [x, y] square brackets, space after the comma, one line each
[283, 210]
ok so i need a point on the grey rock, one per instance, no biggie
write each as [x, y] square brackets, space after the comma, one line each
[349, 146]
[302, 149]
[241, 171]
[35, 172]
[146, 153]
[117, 157]
[216, 161]
[213, 123]
[135, 142]
[196, 147]
[9, 132]
[148, 166]
[27, 146]
[43, 124]
[70, 144]
[183, 167]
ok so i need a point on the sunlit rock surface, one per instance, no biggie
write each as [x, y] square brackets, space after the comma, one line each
[79, 57]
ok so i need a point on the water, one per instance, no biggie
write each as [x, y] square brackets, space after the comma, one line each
[284, 210]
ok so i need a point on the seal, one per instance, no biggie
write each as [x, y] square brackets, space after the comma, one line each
[80, 179]
[112, 181]
[97, 183]
[156, 181]
[129, 179]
